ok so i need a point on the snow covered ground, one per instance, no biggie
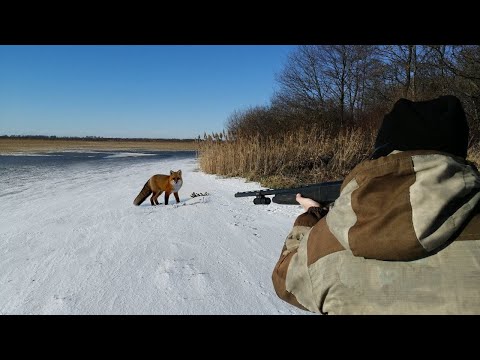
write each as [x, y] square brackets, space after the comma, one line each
[72, 242]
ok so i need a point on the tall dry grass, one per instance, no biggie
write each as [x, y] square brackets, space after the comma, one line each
[473, 154]
[287, 160]
[294, 159]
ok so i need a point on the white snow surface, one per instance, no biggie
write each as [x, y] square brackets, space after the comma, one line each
[72, 242]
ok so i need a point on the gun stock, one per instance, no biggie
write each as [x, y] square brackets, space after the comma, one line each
[322, 193]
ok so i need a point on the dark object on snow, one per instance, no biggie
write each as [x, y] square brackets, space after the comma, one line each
[194, 194]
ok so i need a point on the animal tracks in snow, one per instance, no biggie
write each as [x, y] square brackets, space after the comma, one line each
[182, 274]
[245, 221]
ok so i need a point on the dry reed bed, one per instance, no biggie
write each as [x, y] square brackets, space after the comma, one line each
[287, 160]
[292, 159]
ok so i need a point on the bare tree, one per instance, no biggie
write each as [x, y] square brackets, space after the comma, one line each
[322, 78]
[257, 120]
[300, 80]
[401, 62]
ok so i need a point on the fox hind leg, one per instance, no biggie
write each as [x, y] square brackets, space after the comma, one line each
[155, 198]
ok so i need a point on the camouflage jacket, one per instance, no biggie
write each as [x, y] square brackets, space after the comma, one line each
[402, 238]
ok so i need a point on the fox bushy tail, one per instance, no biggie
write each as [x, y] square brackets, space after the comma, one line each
[143, 194]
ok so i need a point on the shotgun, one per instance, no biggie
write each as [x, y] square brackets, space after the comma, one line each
[322, 193]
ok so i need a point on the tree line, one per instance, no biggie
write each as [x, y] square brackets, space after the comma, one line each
[333, 88]
[89, 138]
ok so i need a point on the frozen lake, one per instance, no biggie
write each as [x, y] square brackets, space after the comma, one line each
[72, 242]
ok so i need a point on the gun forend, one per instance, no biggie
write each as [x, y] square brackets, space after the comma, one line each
[325, 192]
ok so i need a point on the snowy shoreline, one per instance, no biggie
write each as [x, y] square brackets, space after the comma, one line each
[72, 242]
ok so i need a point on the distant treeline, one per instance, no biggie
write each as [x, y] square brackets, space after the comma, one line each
[89, 138]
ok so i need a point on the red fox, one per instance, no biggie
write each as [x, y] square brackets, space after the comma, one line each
[159, 183]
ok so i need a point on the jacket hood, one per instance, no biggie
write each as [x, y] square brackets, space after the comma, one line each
[439, 124]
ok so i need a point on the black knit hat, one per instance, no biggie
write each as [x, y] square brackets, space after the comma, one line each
[438, 124]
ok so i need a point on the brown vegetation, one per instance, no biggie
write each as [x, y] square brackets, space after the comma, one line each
[292, 159]
[13, 145]
[289, 159]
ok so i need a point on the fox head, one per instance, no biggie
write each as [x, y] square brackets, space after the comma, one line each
[175, 176]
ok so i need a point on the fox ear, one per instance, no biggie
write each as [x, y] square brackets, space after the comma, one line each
[171, 172]
[179, 172]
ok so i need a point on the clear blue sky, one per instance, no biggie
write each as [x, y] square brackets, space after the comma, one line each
[156, 91]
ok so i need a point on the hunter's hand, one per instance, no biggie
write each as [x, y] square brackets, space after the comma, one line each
[307, 203]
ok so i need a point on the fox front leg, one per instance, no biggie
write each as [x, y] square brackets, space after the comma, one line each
[176, 197]
[167, 195]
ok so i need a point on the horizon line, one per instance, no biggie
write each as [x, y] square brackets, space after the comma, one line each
[90, 137]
